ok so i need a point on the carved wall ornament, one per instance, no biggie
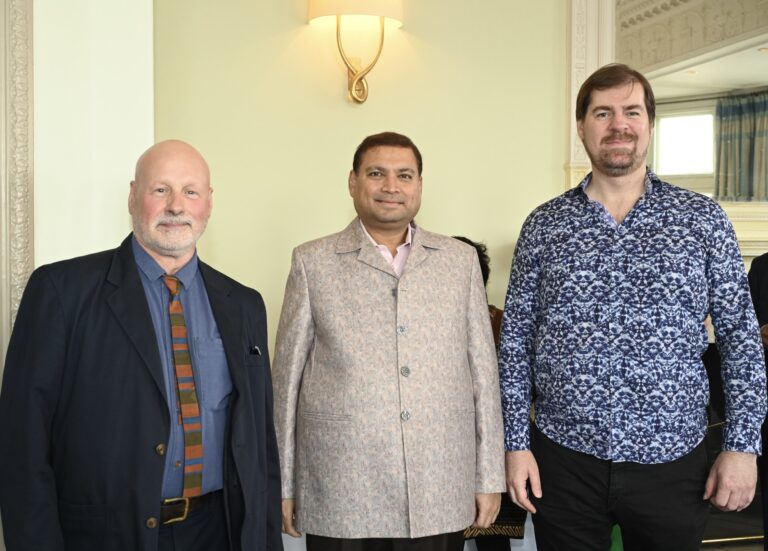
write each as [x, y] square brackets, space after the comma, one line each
[16, 198]
[591, 45]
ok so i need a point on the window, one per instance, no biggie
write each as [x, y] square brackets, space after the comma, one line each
[683, 149]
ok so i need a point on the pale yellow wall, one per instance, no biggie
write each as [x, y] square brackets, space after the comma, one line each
[93, 115]
[480, 87]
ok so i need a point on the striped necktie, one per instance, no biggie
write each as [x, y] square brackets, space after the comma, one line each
[189, 408]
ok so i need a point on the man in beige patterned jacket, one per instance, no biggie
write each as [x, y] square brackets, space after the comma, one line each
[387, 402]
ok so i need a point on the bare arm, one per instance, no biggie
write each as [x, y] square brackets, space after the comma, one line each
[488, 506]
[289, 515]
[522, 470]
[732, 480]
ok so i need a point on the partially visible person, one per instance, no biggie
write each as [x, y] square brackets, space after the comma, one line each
[136, 405]
[485, 267]
[386, 383]
[610, 285]
[510, 523]
[758, 286]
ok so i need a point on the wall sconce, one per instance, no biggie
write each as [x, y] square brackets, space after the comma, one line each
[383, 9]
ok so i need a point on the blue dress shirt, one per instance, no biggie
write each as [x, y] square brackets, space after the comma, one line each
[607, 320]
[209, 364]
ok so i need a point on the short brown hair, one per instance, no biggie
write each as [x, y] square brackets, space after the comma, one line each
[610, 76]
[386, 139]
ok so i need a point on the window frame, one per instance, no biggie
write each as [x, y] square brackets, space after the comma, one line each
[703, 183]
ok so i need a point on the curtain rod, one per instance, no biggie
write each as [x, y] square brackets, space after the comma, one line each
[715, 95]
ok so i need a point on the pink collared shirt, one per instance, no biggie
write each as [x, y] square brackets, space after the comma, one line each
[401, 254]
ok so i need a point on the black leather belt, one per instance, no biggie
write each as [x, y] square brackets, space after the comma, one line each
[176, 509]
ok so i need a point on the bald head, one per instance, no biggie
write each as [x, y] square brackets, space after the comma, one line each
[170, 151]
[170, 202]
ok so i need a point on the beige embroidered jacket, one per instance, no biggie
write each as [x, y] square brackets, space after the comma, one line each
[386, 390]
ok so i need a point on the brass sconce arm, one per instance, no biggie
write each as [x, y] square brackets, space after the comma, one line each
[391, 10]
[358, 86]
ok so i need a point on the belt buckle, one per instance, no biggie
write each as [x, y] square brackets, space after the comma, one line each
[183, 516]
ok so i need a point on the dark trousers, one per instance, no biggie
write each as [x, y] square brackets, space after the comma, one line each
[492, 543]
[204, 530]
[762, 465]
[658, 507]
[441, 542]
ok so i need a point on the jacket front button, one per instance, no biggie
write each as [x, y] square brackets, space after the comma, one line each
[401, 329]
[405, 371]
[151, 522]
[160, 449]
[405, 415]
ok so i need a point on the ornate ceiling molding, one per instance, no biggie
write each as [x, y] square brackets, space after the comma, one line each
[634, 12]
[657, 33]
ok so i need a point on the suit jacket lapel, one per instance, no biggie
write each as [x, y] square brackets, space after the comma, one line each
[418, 251]
[228, 319]
[421, 243]
[129, 305]
[352, 238]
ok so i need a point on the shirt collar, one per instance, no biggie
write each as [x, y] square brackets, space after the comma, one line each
[153, 270]
[651, 181]
[408, 237]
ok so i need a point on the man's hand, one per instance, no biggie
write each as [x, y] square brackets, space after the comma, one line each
[288, 518]
[764, 335]
[488, 506]
[731, 482]
[522, 469]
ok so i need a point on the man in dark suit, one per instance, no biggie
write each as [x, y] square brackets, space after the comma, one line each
[136, 406]
[758, 285]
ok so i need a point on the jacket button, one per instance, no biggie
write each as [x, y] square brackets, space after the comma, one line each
[405, 415]
[405, 371]
[401, 329]
[151, 522]
[160, 449]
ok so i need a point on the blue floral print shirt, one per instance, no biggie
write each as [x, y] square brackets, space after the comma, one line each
[607, 321]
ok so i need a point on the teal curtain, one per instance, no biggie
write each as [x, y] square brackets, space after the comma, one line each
[741, 148]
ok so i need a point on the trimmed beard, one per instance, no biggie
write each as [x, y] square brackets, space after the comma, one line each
[604, 162]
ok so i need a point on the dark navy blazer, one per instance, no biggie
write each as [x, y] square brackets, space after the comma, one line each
[83, 412]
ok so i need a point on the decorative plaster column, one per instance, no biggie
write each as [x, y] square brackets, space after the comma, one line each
[591, 39]
[16, 199]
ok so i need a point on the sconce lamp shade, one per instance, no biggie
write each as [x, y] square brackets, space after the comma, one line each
[391, 9]
[382, 10]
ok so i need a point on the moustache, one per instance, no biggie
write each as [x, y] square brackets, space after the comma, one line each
[173, 220]
[623, 136]
[389, 198]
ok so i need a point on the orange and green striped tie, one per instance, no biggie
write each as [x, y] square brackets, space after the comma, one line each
[189, 408]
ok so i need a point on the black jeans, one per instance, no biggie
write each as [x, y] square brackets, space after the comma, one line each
[658, 507]
[762, 464]
[442, 542]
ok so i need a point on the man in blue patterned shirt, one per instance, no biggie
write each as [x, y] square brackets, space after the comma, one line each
[604, 317]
